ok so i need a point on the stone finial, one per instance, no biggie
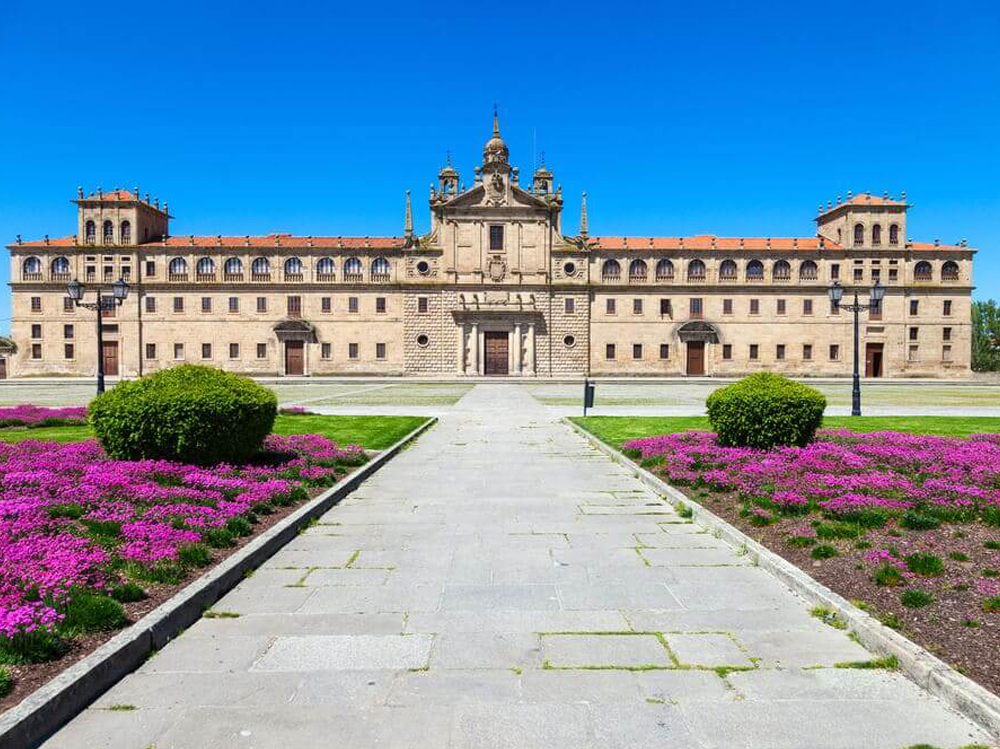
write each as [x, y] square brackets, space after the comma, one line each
[218, 237]
[819, 209]
[742, 242]
[46, 239]
[191, 239]
[147, 198]
[822, 241]
[584, 222]
[408, 218]
[886, 195]
[79, 191]
[156, 203]
[903, 195]
[309, 240]
[937, 242]
[962, 242]
[19, 239]
[838, 200]
[829, 204]
[100, 193]
[246, 240]
[135, 192]
[768, 243]
[849, 196]
[165, 207]
[515, 172]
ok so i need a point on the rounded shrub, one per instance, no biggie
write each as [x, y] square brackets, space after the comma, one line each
[190, 414]
[764, 410]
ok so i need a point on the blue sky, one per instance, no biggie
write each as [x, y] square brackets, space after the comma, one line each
[315, 117]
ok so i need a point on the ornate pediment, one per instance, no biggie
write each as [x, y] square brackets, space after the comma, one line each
[698, 330]
[497, 301]
[490, 195]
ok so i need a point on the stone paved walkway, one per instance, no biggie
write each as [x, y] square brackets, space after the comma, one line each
[485, 590]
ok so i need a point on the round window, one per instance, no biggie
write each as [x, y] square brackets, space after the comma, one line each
[423, 267]
[569, 341]
[569, 268]
[423, 340]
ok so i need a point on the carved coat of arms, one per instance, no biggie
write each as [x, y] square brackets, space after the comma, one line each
[496, 193]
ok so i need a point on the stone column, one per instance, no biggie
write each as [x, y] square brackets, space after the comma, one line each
[517, 348]
[531, 349]
[474, 348]
[461, 348]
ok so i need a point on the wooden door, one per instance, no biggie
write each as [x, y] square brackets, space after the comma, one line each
[873, 359]
[111, 358]
[696, 357]
[294, 358]
[497, 354]
[3, 369]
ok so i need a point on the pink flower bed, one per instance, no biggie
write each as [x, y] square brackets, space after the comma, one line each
[72, 520]
[33, 416]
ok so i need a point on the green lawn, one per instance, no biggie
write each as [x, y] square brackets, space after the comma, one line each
[615, 430]
[372, 432]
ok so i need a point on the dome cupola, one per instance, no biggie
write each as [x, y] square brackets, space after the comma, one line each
[495, 151]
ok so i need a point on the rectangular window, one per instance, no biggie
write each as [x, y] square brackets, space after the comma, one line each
[835, 271]
[206, 351]
[665, 308]
[781, 306]
[36, 351]
[636, 306]
[379, 350]
[352, 351]
[696, 308]
[36, 331]
[947, 308]
[859, 274]
[36, 304]
[150, 268]
[779, 353]
[261, 350]
[876, 275]
[754, 352]
[570, 307]
[178, 304]
[496, 237]
[352, 304]
[913, 333]
[834, 352]
[178, 350]
[875, 311]
[109, 272]
[234, 304]
[234, 351]
[914, 306]
[945, 334]
[262, 304]
[727, 306]
[609, 351]
[380, 305]
[807, 351]
[325, 350]
[294, 306]
[422, 305]
[68, 331]
[807, 306]
[664, 350]
[893, 274]
[151, 304]
[325, 304]
[913, 353]
[126, 272]
[636, 350]
[110, 309]
[68, 305]
[755, 306]
[610, 306]
[150, 350]
[727, 351]
[945, 353]
[91, 272]
[68, 350]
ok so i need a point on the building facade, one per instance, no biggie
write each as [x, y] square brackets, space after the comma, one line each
[493, 288]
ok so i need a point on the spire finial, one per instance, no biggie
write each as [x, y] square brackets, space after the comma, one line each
[583, 216]
[448, 157]
[496, 121]
[408, 221]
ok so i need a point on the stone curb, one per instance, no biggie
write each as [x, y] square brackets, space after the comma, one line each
[55, 703]
[961, 693]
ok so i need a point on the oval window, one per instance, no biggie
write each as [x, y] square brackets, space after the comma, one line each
[423, 340]
[423, 267]
[569, 269]
[569, 341]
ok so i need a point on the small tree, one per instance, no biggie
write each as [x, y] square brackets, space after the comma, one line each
[986, 336]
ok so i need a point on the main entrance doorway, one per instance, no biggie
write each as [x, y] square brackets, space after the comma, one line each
[294, 358]
[110, 354]
[497, 361]
[696, 357]
[873, 360]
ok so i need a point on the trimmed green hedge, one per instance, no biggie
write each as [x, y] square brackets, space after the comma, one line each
[764, 410]
[190, 414]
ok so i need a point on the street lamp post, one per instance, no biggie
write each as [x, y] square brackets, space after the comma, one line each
[119, 289]
[836, 293]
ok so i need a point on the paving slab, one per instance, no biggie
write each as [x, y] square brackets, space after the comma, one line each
[606, 650]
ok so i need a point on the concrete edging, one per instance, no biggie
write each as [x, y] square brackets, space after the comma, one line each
[961, 693]
[55, 703]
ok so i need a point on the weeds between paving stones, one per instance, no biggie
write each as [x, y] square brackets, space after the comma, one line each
[828, 617]
[890, 663]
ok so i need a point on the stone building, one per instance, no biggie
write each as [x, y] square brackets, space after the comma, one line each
[493, 288]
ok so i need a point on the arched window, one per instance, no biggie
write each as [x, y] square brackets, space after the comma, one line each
[808, 271]
[353, 268]
[31, 266]
[664, 269]
[90, 232]
[728, 270]
[233, 267]
[125, 232]
[696, 270]
[893, 234]
[949, 271]
[325, 267]
[60, 266]
[859, 234]
[380, 269]
[637, 270]
[178, 267]
[922, 271]
[781, 271]
[260, 267]
[611, 270]
[205, 266]
[755, 270]
[293, 267]
[876, 235]
[109, 232]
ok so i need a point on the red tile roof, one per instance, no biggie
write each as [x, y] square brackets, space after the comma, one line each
[710, 242]
[114, 195]
[260, 242]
